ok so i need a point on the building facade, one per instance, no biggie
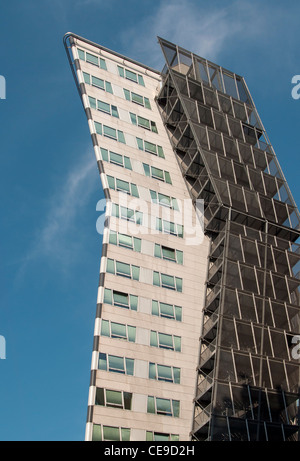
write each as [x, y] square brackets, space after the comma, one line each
[197, 317]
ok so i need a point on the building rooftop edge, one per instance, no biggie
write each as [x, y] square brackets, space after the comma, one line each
[119, 55]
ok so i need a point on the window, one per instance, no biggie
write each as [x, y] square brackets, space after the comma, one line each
[103, 107]
[116, 159]
[120, 299]
[166, 407]
[165, 310]
[122, 269]
[150, 147]
[97, 82]
[113, 399]
[143, 122]
[126, 241]
[164, 200]
[127, 214]
[164, 341]
[168, 227]
[160, 437]
[109, 132]
[157, 173]
[107, 108]
[115, 364]
[110, 433]
[161, 251]
[137, 99]
[122, 186]
[167, 281]
[92, 59]
[130, 75]
[118, 331]
[164, 373]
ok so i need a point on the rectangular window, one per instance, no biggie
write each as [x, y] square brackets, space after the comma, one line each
[164, 200]
[109, 132]
[109, 109]
[170, 254]
[123, 269]
[164, 373]
[127, 214]
[120, 299]
[157, 173]
[166, 407]
[115, 364]
[113, 399]
[164, 341]
[118, 330]
[124, 240]
[92, 59]
[160, 437]
[165, 310]
[130, 75]
[150, 147]
[110, 434]
[167, 281]
[143, 123]
[137, 99]
[122, 186]
[97, 82]
[168, 227]
[116, 159]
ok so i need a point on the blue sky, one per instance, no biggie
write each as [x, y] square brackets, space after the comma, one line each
[50, 250]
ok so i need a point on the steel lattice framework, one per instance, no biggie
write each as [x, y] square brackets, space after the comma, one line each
[248, 377]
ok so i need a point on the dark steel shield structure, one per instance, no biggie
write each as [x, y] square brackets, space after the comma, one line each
[248, 373]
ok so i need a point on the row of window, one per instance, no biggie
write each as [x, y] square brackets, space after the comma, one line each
[114, 434]
[107, 86]
[119, 136]
[125, 366]
[125, 162]
[135, 244]
[123, 400]
[128, 301]
[112, 110]
[132, 189]
[133, 272]
[116, 330]
[100, 62]
[137, 217]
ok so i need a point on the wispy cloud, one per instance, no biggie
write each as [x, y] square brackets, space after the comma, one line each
[207, 29]
[53, 239]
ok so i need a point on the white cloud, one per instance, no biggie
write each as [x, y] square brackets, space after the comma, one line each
[201, 27]
[53, 240]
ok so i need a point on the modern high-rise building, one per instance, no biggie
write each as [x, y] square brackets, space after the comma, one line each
[197, 322]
